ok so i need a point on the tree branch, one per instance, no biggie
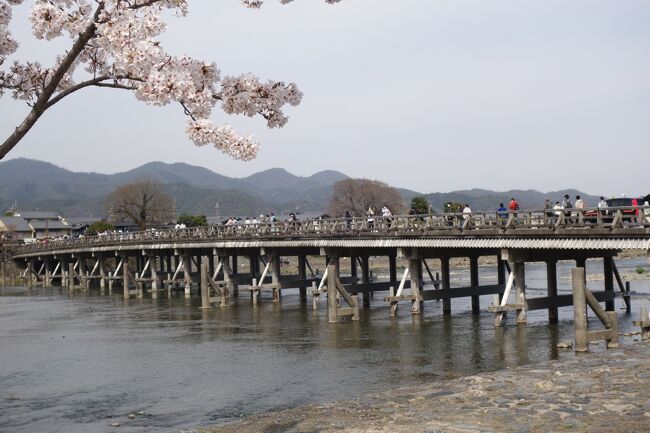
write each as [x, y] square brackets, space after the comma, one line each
[41, 103]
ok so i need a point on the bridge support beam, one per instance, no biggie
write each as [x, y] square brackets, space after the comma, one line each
[125, 277]
[473, 270]
[155, 280]
[83, 270]
[608, 271]
[501, 273]
[332, 275]
[519, 269]
[446, 284]
[415, 272]
[102, 274]
[187, 274]
[365, 279]
[276, 272]
[47, 282]
[71, 276]
[30, 274]
[392, 270]
[234, 270]
[302, 274]
[551, 282]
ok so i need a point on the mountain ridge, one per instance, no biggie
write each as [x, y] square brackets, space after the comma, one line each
[39, 184]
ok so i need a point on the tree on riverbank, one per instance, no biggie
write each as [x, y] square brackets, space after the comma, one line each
[99, 227]
[145, 202]
[420, 205]
[116, 44]
[357, 195]
[192, 220]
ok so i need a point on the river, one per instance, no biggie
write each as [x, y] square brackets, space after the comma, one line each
[77, 363]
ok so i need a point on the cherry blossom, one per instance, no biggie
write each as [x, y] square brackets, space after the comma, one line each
[116, 44]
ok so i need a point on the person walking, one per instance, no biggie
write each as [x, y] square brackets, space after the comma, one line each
[514, 205]
[602, 204]
[635, 203]
[558, 211]
[502, 214]
[548, 208]
[580, 205]
[370, 213]
[386, 215]
[467, 215]
[566, 204]
[348, 219]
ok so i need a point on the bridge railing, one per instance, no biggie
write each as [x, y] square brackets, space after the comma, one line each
[458, 223]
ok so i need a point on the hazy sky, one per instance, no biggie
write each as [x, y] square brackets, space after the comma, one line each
[423, 94]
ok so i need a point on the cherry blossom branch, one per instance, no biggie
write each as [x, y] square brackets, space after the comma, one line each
[117, 40]
[41, 103]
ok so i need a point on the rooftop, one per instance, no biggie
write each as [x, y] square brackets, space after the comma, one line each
[14, 224]
[49, 225]
[39, 215]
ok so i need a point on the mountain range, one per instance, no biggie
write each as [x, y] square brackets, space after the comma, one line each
[33, 184]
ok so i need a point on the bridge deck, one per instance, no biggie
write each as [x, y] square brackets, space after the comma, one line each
[526, 229]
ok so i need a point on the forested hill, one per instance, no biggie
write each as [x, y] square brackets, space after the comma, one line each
[40, 185]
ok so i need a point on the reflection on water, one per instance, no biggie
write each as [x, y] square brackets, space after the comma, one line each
[77, 363]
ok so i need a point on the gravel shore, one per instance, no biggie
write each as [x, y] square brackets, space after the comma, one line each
[608, 391]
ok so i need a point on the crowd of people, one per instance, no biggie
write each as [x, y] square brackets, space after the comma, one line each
[567, 207]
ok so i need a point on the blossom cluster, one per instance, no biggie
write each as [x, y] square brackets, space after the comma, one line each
[256, 4]
[8, 45]
[117, 44]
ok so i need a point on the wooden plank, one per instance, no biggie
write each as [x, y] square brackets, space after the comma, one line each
[345, 311]
[563, 300]
[506, 307]
[602, 334]
[400, 298]
[380, 286]
[461, 292]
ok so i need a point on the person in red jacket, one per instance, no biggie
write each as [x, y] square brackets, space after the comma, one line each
[513, 206]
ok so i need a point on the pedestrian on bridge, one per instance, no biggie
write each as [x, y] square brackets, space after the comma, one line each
[502, 214]
[370, 213]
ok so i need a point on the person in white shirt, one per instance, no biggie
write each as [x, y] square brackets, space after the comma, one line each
[370, 213]
[386, 214]
[467, 212]
[602, 204]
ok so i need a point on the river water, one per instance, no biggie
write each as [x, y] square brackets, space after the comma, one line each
[77, 363]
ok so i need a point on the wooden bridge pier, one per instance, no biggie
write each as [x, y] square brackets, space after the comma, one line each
[335, 289]
[441, 284]
[517, 282]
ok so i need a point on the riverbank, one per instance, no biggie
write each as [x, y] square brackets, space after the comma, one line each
[596, 392]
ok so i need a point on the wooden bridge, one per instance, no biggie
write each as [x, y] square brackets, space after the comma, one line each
[206, 260]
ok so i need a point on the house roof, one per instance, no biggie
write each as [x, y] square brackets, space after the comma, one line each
[39, 215]
[50, 225]
[82, 221]
[14, 224]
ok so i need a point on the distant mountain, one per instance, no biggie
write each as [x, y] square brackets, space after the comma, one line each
[36, 184]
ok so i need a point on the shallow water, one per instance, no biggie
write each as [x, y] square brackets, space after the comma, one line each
[78, 363]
